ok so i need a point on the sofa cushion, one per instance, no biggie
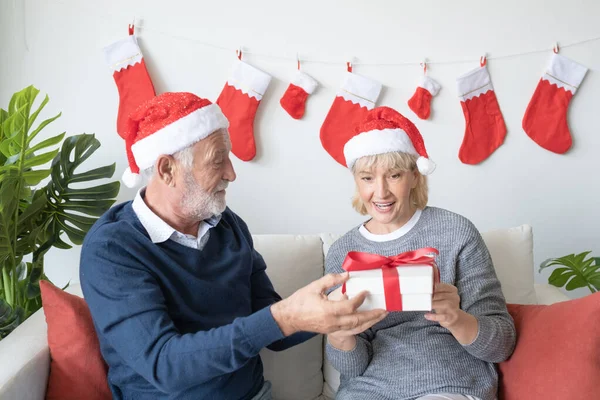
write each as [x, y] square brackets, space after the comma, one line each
[293, 262]
[512, 254]
[558, 351]
[77, 369]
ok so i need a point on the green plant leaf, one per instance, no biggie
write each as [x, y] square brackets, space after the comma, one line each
[3, 117]
[34, 116]
[15, 130]
[21, 271]
[576, 283]
[33, 178]
[575, 271]
[11, 321]
[72, 209]
[24, 99]
[594, 280]
[98, 173]
[41, 159]
[32, 212]
[560, 276]
[54, 140]
[33, 134]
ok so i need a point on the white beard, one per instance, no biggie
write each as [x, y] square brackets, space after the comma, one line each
[199, 204]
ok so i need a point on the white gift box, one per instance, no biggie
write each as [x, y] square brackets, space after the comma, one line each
[415, 287]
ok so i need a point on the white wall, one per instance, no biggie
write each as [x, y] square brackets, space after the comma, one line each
[293, 186]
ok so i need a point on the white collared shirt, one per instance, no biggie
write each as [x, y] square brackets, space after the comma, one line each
[159, 231]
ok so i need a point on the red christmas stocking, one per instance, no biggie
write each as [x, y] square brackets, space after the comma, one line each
[485, 129]
[545, 119]
[239, 101]
[294, 98]
[131, 76]
[355, 98]
[420, 102]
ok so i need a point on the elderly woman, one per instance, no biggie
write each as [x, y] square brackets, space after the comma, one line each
[448, 353]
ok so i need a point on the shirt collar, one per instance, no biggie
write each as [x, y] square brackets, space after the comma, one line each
[158, 230]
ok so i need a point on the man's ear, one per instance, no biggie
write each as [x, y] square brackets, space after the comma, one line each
[166, 169]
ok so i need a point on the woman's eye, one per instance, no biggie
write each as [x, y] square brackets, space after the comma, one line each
[366, 178]
[396, 176]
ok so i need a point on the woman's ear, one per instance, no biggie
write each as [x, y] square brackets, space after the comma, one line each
[417, 176]
[165, 169]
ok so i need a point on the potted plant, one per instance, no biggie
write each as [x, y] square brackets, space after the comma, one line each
[35, 214]
[575, 271]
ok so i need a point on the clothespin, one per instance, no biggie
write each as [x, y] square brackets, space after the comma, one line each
[131, 26]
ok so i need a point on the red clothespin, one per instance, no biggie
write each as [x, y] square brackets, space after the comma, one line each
[483, 60]
[424, 65]
[239, 53]
[555, 49]
[349, 66]
[298, 61]
[131, 27]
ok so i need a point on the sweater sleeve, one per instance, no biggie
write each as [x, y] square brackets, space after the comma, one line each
[130, 314]
[354, 362]
[481, 296]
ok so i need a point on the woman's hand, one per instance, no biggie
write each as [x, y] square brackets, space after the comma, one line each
[446, 305]
[346, 339]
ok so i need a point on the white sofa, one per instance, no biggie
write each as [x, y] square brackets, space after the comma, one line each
[302, 372]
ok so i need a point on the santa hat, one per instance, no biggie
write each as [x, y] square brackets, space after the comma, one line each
[385, 130]
[166, 124]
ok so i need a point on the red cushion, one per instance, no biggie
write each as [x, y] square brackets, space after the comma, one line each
[77, 369]
[557, 354]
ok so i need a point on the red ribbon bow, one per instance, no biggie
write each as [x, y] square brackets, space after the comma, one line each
[359, 261]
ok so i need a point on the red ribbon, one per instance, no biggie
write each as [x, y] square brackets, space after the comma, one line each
[359, 261]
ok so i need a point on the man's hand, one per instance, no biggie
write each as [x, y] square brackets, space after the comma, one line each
[446, 304]
[309, 310]
[346, 339]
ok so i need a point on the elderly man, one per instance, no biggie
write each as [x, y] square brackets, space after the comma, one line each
[178, 294]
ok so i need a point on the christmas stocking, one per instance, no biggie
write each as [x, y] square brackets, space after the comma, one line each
[131, 76]
[420, 102]
[239, 101]
[545, 119]
[355, 98]
[294, 98]
[485, 129]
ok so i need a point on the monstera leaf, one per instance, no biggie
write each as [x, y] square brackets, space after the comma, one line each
[74, 210]
[575, 271]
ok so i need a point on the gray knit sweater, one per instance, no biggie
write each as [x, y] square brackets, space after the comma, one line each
[405, 356]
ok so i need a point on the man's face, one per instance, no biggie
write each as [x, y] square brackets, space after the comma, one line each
[205, 182]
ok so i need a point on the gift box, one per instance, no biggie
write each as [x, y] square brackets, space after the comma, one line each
[404, 282]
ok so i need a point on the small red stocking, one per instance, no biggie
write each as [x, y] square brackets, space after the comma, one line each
[420, 102]
[294, 98]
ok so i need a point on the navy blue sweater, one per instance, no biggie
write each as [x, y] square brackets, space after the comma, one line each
[176, 322]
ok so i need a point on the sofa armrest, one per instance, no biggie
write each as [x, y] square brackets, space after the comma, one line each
[548, 294]
[25, 360]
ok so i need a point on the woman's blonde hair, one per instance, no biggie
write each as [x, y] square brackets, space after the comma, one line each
[396, 161]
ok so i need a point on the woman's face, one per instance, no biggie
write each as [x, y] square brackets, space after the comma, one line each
[385, 193]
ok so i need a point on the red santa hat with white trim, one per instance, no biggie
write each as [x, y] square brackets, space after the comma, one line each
[166, 124]
[385, 130]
